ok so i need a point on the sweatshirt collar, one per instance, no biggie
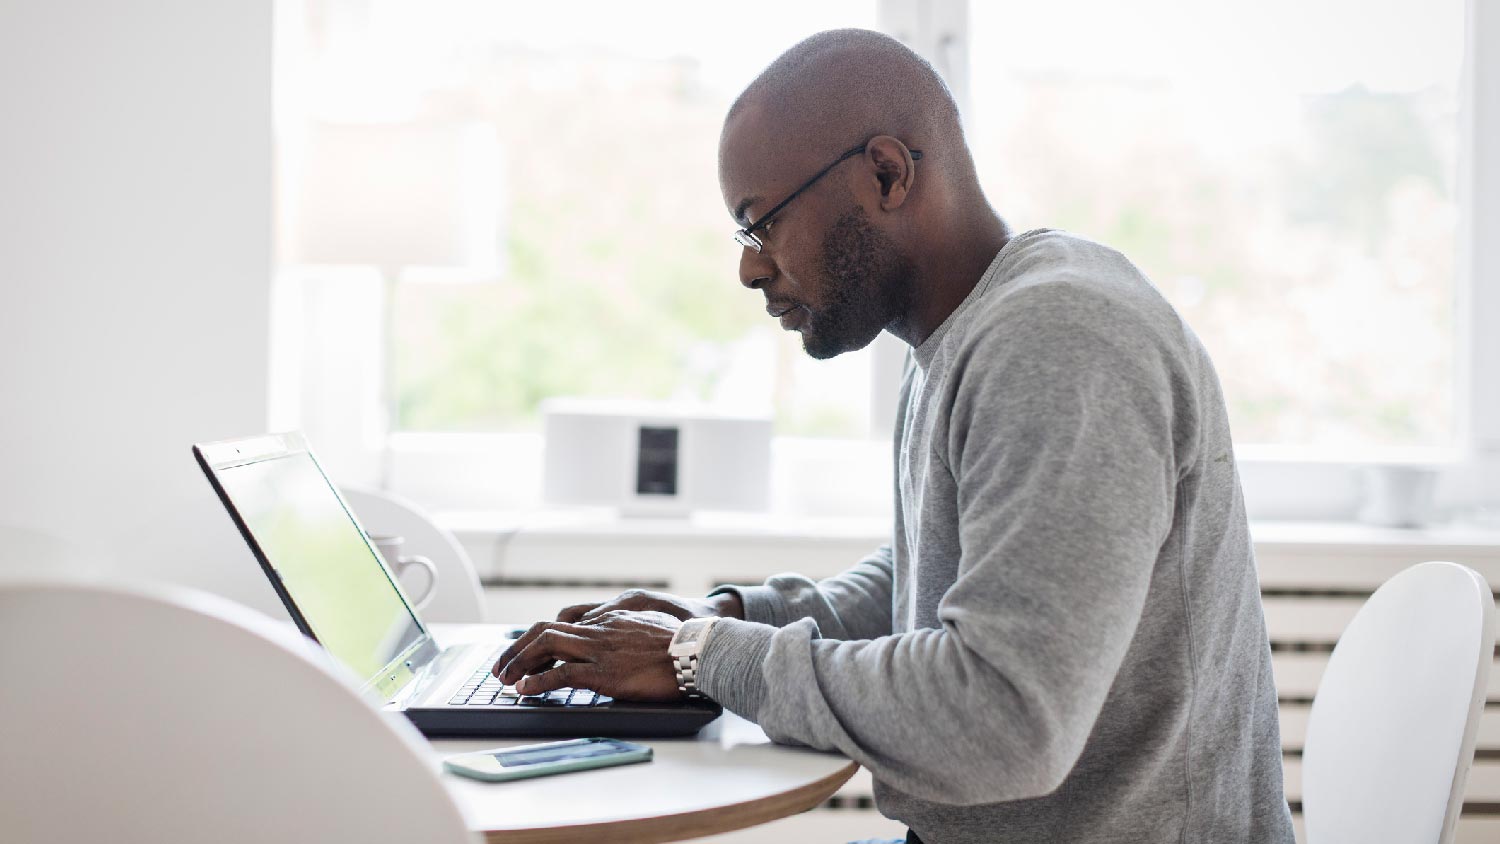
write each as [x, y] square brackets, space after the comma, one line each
[924, 353]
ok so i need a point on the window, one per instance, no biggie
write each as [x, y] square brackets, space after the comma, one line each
[1284, 171]
[617, 277]
[1287, 174]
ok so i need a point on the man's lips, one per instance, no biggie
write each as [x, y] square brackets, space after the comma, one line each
[791, 315]
[788, 312]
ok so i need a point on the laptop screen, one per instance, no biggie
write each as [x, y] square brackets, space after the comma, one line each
[342, 590]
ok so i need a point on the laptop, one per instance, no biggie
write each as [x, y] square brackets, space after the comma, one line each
[342, 595]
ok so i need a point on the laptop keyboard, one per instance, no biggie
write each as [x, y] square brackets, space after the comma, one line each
[485, 689]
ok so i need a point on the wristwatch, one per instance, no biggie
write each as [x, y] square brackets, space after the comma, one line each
[684, 650]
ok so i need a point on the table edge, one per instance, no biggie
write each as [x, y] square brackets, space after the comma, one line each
[692, 824]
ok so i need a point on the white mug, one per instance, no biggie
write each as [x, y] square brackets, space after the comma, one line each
[390, 549]
[1398, 495]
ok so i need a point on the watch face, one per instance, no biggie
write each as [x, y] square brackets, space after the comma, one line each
[689, 637]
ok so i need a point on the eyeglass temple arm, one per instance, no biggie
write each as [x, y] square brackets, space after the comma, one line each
[916, 155]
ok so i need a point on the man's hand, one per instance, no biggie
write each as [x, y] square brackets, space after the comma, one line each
[620, 654]
[639, 600]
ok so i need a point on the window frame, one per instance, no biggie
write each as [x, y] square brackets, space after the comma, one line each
[1279, 483]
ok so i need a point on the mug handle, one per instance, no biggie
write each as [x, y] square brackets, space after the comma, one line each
[432, 577]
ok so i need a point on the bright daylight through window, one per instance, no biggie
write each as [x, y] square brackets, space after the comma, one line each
[618, 275]
[1290, 189]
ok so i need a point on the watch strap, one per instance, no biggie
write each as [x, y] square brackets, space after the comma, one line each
[686, 663]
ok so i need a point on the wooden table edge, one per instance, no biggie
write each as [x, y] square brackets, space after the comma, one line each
[676, 827]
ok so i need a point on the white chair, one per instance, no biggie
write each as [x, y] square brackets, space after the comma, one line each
[1391, 735]
[167, 715]
[459, 597]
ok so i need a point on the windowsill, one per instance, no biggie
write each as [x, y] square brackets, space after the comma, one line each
[818, 485]
[605, 525]
[595, 526]
[1288, 535]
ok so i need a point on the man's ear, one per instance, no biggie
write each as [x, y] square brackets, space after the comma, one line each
[893, 169]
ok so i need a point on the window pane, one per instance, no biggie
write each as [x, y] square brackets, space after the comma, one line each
[619, 276]
[1282, 170]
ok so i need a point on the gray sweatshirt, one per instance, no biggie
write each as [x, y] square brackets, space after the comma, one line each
[1064, 639]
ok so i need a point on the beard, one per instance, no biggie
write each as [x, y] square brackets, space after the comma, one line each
[870, 285]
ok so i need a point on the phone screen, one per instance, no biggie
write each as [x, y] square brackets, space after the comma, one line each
[582, 749]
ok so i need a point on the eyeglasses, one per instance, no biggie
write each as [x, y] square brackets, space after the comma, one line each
[748, 238]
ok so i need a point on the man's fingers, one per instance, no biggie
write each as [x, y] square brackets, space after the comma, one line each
[617, 605]
[526, 639]
[630, 599]
[579, 675]
[575, 612]
[518, 645]
[549, 646]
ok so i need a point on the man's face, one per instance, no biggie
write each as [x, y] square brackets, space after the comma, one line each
[864, 285]
[825, 268]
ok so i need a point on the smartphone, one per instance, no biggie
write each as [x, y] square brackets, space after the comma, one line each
[539, 760]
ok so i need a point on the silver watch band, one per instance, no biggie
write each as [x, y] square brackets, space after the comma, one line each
[686, 645]
[687, 675]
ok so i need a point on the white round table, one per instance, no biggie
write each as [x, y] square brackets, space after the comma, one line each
[727, 777]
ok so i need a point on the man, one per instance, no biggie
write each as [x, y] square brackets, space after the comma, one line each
[1063, 640]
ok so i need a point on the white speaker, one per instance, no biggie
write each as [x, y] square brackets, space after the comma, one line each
[651, 459]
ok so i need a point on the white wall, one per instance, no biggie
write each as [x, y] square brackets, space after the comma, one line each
[135, 190]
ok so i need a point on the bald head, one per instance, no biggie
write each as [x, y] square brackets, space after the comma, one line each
[838, 88]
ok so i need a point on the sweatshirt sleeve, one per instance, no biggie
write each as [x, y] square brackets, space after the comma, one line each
[853, 605]
[1060, 446]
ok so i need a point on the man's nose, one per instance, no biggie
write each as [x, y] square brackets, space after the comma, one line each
[756, 270]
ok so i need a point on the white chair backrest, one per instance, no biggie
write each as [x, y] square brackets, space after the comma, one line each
[1391, 735]
[459, 597]
[167, 715]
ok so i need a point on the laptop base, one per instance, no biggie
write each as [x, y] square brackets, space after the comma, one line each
[619, 719]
